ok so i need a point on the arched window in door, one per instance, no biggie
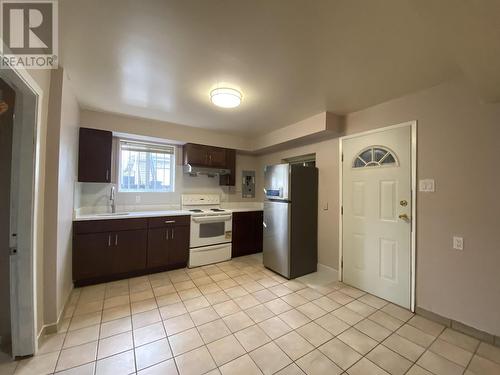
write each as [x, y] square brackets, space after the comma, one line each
[375, 156]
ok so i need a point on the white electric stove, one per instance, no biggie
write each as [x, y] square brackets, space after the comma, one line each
[211, 228]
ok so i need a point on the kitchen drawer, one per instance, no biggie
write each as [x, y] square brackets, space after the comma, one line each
[112, 225]
[159, 222]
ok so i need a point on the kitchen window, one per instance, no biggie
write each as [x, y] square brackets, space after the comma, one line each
[146, 167]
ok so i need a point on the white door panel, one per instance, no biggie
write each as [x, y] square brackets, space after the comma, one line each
[376, 241]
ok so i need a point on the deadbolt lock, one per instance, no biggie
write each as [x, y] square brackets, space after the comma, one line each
[403, 203]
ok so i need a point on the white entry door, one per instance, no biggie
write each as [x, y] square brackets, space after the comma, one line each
[377, 206]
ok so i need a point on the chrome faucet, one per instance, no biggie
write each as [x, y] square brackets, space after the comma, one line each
[112, 197]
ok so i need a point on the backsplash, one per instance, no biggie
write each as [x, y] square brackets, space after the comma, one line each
[94, 197]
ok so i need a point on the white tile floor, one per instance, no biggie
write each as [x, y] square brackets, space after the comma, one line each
[239, 318]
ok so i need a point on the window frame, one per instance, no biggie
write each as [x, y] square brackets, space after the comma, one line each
[148, 143]
[373, 147]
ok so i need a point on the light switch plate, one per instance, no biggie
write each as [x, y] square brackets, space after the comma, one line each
[458, 243]
[426, 186]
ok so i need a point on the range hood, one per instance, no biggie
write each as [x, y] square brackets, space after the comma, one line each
[208, 171]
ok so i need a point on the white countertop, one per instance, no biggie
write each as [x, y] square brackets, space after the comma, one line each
[242, 206]
[130, 215]
[244, 209]
[146, 214]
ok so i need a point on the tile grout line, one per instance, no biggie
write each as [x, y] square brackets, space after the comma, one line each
[132, 325]
[67, 330]
[254, 323]
[352, 326]
[222, 317]
[473, 355]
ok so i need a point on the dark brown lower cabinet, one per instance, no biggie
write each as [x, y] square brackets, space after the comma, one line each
[247, 233]
[91, 255]
[168, 246]
[158, 245]
[179, 255]
[129, 251]
[101, 255]
[112, 249]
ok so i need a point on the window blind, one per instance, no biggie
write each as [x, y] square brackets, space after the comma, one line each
[138, 146]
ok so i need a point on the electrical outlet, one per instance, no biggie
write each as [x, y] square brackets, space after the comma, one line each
[137, 199]
[458, 243]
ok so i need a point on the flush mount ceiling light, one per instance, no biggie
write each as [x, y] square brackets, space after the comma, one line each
[225, 97]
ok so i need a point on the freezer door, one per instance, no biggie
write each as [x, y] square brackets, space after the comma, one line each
[276, 251]
[276, 181]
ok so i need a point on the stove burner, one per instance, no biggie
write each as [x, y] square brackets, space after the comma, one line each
[196, 210]
[216, 210]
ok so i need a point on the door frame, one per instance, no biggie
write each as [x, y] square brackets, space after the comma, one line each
[413, 241]
[23, 277]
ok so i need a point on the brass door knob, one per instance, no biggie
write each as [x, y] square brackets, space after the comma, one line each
[404, 217]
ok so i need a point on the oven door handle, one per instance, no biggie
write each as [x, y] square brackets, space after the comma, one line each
[211, 219]
[209, 248]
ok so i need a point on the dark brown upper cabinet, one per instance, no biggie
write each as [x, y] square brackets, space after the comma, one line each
[94, 155]
[229, 179]
[217, 157]
[194, 154]
[214, 157]
[205, 156]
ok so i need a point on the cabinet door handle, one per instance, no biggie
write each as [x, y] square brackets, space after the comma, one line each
[107, 175]
[116, 239]
[109, 240]
[166, 234]
[173, 231]
[170, 222]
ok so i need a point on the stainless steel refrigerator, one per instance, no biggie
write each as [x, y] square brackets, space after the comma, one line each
[291, 219]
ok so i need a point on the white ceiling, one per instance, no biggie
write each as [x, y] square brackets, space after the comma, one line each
[292, 59]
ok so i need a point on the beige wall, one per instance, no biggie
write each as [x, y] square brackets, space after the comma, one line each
[62, 137]
[59, 188]
[68, 154]
[42, 78]
[161, 129]
[51, 191]
[304, 128]
[458, 141]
